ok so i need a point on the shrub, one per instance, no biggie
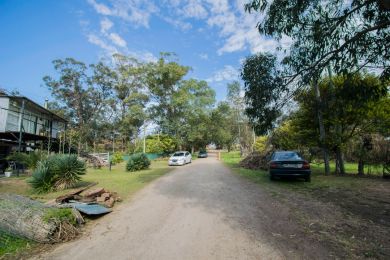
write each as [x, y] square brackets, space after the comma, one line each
[261, 144]
[66, 170]
[137, 162]
[41, 180]
[57, 172]
[29, 160]
[117, 158]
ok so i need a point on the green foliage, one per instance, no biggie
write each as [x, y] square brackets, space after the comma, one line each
[117, 158]
[82, 92]
[59, 215]
[325, 32]
[137, 162]
[57, 172]
[350, 106]
[222, 129]
[263, 91]
[128, 82]
[41, 180]
[30, 160]
[66, 170]
[160, 144]
[181, 107]
[261, 143]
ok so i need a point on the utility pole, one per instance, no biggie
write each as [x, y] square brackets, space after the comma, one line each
[21, 126]
[113, 142]
[63, 143]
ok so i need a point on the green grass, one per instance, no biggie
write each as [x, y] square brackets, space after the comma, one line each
[118, 180]
[10, 245]
[319, 181]
[350, 168]
[126, 183]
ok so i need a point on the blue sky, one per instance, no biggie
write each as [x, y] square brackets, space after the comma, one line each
[211, 36]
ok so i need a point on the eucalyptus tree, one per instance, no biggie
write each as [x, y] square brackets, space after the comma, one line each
[222, 129]
[240, 121]
[338, 35]
[163, 79]
[79, 94]
[357, 108]
[264, 87]
[194, 100]
[345, 35]
[130, 95]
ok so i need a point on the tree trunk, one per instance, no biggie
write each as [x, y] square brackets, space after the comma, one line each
[321, 128]
[361, 167]
[192, 150]
[78, 148]
[339, 162]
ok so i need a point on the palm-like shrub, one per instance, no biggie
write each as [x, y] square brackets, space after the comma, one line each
[66, 170]
[41, 180]
[57, 172]
[137, 162]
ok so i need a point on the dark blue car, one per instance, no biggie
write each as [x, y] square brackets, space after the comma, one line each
[289, 164]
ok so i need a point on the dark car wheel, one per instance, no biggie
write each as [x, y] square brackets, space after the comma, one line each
[308, 179]
[271, 177]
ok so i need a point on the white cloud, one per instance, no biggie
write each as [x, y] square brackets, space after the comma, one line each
[228, 73]
[194, 9]
[105, 25]
[117, 40]
[136, 12]
[96, 40]
[236, 28]
[100, 8]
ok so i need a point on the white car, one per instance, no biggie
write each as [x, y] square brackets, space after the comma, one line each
[180, 158]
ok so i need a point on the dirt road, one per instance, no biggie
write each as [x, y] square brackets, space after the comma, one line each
[198, 211]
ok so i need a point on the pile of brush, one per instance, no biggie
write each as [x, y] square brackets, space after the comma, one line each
[256, 161]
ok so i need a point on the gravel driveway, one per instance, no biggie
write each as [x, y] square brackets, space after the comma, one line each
[197, 211]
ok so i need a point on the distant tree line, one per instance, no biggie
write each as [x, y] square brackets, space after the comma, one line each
[109, 104]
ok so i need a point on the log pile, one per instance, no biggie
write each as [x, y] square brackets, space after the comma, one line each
[101, 196]
[95, 195]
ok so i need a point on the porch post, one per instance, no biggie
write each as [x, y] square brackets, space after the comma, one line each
[21, 126]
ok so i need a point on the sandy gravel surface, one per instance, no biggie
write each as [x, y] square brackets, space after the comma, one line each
[198, 211]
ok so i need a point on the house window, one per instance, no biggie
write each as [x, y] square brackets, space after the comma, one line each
[13, 118]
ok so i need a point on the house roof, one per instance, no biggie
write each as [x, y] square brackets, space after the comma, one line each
[35, 105]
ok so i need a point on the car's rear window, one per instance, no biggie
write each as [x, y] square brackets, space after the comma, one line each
[287, 156]
[178, 154]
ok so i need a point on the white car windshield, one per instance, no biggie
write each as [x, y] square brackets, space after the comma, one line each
[178, 154]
